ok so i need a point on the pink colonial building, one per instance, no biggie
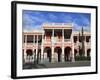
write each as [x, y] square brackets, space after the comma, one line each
[56, 42]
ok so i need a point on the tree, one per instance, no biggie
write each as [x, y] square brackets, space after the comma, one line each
[79, 44]
[83, 46]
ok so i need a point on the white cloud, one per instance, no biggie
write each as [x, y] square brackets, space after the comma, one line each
[31, 28]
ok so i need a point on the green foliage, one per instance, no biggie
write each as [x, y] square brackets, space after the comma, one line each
[82, 58]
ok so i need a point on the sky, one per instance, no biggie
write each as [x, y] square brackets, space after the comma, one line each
[33, 20]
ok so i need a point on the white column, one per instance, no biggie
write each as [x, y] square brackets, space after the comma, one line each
[42, 48]
[25, 55]
[34, 40]
[63, 35]
[33, 47]
[52, 56]
[36, 45]
[77, 45]
[77, 54]
[33, 56]
[63, 54]
[85, 47]
[52, 36]
[56, 57]
[62, 45]
[73, 59]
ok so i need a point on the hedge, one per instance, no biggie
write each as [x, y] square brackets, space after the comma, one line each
[82, 58]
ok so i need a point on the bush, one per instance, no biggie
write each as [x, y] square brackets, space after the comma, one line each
[82, 58]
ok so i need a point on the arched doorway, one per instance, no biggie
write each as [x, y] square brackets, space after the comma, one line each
[88, 52]
[67, 54]
[47, 53]
[29, 55]
[58, 51]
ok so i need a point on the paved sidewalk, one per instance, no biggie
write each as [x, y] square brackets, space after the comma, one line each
[56, 65]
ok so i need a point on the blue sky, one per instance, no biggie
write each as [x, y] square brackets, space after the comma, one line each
[34, 19]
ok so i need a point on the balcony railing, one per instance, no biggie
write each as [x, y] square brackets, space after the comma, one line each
[67, 40]
[56, 40]
[31, 44]
[88, 43]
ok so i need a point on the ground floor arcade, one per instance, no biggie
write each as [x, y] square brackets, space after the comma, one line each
[51, 54]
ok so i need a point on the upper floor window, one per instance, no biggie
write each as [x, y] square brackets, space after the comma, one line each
[75, 39]
[88, 38]
[29, 38]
